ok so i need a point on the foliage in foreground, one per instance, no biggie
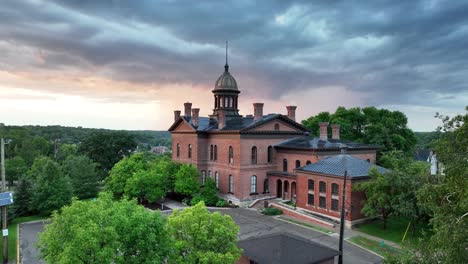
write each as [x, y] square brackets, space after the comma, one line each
[104, 231]
[203, 237]
[272, 211]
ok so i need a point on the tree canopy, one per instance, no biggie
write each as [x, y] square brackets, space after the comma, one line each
[82, 173]
[105, 231]
[187, 180]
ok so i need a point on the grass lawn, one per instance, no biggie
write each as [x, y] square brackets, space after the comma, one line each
[13, 233]
[396, 228]
[318, 228]
[374, 246]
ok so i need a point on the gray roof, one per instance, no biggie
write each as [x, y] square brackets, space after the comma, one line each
[226, 81]
[284, 248]
[336, 165]
[305, 142]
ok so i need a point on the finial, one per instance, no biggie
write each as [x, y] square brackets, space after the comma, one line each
[226, 66]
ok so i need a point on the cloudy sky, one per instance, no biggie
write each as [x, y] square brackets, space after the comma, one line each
[129, 64]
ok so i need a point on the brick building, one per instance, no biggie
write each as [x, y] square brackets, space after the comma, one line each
[257, 156]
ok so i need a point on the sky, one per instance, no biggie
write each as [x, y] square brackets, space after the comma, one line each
[122, 64]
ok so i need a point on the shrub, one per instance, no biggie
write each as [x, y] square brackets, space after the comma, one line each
[195, 200]
[272, 211]
[221, 203]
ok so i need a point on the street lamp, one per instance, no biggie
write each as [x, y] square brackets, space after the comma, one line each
[343, 210]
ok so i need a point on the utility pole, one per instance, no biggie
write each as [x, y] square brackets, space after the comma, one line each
[343, 210]
[4, 208]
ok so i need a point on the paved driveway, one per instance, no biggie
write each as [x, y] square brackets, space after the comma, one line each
[251, 224]
[28, 238]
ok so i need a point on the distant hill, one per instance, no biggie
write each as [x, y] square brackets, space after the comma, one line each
[426, 140]
[74, 135]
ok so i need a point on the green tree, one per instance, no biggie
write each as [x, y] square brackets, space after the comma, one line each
[105, 231]
[146, 185]
[81, 171]
[382, 127]
[15, 168]
[187, 180]
[203, 237]
[22, 197]
[208, 194]
[169, 169]
[51, 188]
[66, 150]
[124, 170]
[107, 148]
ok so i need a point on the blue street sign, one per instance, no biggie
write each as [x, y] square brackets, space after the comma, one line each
[6, 198]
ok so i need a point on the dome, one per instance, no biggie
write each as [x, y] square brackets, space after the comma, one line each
[226, 81]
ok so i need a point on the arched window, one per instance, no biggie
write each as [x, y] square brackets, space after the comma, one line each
[308, 162]
[231, 155]
[231, 184]
[178, 150]
[215, 157]
[230, 102]
[298, 163]
[254, 155]
[211, 152]
[266, 188]
[253, 184]
[270, 154]
[285, 165]
[190, 151]
[277, 127]
[335, 188]
[203, 177]
[226, 102]
[217, 179]
[209, 174]
[221, 102]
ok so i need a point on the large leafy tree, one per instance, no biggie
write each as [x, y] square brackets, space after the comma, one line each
[83, 176]
[146, 185]
[168, 169]
[383, 127]
[15, 168]
[203, 237]
[51, 187]
[107, 148]
[187, 180]
[105, 231]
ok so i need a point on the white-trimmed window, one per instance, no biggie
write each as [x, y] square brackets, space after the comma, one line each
[217, 179]
[231, 155]
[253, 184]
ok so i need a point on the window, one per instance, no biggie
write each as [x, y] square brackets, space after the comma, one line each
[308, 162]
[231, 155]
[211, 152]
[276, 127]
[310, 199]
[231, 102]
[254, 155]
[322, 202]
[178, 150]
[190, 151]
[220, 102]
[231, 184]
[266, 188]
[215, 155]
[334, 205]
[226, 102]
[322, 187]
[310, 184]
[334, 188]
[209, 174]
[203, 177]
[270, 154]
[253, 184]
[298, 163]
[285, 165]
[217, 180]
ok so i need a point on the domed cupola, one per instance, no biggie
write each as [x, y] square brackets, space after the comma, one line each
[226, 93]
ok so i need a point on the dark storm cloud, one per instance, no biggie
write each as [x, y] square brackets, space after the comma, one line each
[400, 51]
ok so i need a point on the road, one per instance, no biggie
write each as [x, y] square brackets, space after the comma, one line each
[28, 238]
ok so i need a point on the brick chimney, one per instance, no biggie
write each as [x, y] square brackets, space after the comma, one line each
[221, 120]
[176, 115]
[335, 131]
[188, 108]
[323, 130]
[258, 111]
[195, 114]
[291, 112]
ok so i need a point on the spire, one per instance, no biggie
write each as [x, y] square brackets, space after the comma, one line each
[226, 66]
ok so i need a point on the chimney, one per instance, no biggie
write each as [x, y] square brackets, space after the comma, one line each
[258, 111]
[176, 115]
[291, 112]
[221, 120]
[195, 113]
[335, 131]
[188, 108]
[323, 130]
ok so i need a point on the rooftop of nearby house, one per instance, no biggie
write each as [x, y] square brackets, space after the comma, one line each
[284, 248]
[337, 165]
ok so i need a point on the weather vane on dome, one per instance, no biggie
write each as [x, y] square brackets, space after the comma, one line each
[226, 67]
